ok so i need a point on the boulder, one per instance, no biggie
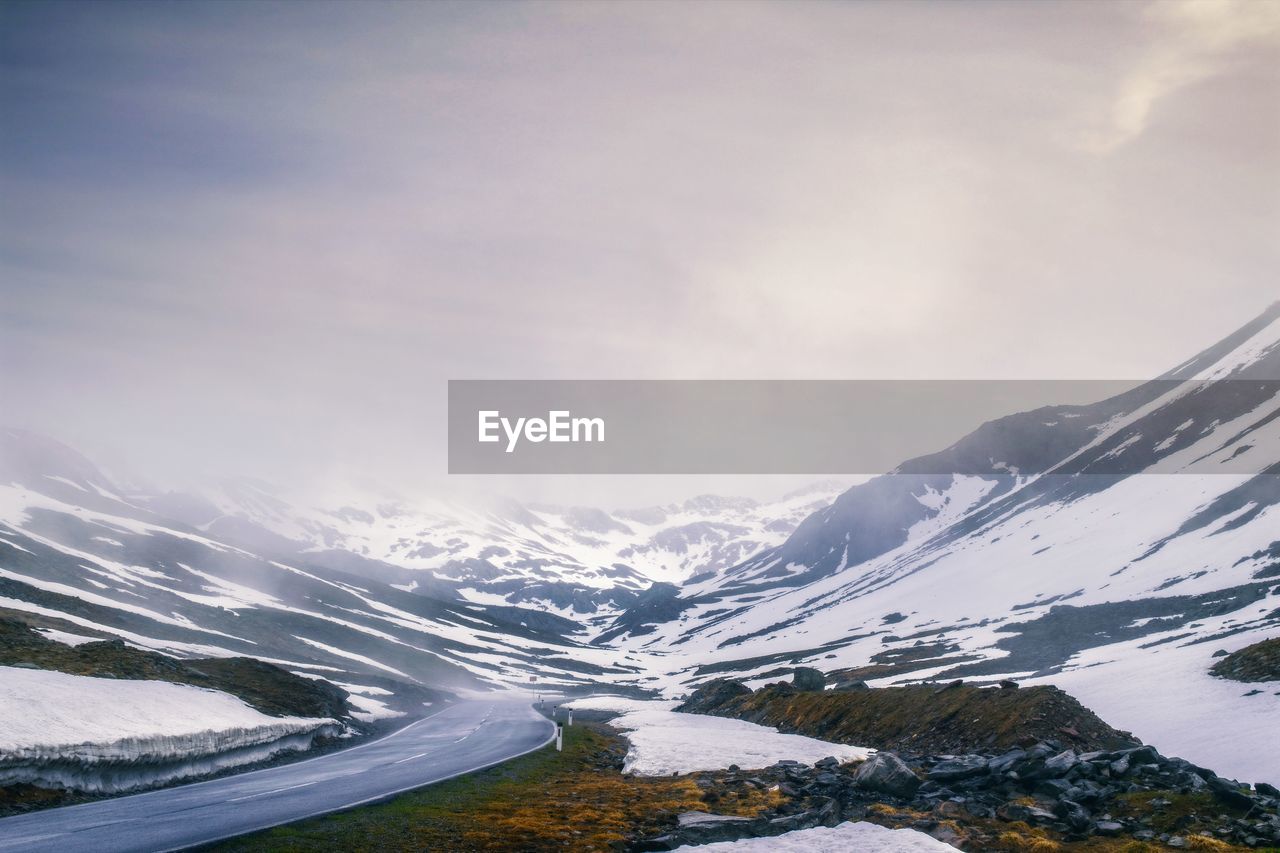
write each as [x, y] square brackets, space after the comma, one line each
[1076, 815]
[1229, 792]
[688, 819]
[1003, 762]
[852, 686]
[712, 695]
[1109, 827]
[1061, 763]
[888, 774]
[808, 678]
[961, 767]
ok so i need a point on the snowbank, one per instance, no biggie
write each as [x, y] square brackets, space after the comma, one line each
[1167, 697]
[663, 741]
[368, 707]
[862, 837]
[106, 735]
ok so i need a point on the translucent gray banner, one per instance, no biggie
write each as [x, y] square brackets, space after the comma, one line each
[863, 426]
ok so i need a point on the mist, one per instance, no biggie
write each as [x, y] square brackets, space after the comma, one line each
[259, 239]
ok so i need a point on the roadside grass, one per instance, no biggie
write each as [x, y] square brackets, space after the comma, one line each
[577, 800]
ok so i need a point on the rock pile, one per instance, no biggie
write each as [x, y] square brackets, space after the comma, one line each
[970, 801]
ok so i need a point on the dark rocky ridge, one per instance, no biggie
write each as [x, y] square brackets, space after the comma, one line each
[1258, 662]
[952, 718]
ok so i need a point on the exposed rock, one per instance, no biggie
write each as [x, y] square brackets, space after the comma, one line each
[888, 774]
[713, 695]
[853, 685]
[1109, 827]
[1258, 662]
[1063, 795]
[1060, 774]
[808, 678]
[1061, 763]
[958, 768]
[916, 718]
[687, 819]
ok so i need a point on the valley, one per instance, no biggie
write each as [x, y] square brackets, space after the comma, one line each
[1093, 549]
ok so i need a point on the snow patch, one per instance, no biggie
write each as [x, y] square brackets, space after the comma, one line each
[663, 741]
[862, 837]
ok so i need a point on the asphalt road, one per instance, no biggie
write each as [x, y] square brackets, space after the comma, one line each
[464, 737]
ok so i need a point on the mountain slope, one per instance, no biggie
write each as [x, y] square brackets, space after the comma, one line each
[1095, 547]
[74, 550]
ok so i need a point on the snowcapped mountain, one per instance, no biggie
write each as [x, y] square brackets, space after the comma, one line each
[582, 563]
[80, 558]
[1094, 547]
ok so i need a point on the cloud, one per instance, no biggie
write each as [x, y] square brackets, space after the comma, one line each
[1195, 40]
[260, 239]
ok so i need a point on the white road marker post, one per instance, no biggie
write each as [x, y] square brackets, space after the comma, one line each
[559, 737]
[571, 716]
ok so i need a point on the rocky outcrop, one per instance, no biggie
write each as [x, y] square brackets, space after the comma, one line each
[714, 695]
[951, 718]
[808, 678]
[1036, 795]
[888, 774]
[1258, 662]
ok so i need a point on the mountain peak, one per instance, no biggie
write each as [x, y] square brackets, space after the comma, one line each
[1250, 352]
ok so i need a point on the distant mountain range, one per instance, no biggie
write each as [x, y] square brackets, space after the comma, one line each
[579, 562]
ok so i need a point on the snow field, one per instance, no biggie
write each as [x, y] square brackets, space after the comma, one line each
[663, 741]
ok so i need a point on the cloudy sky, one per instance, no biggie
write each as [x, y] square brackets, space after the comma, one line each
[258, 238]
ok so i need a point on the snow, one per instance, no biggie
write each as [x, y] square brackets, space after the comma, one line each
[1252, 350]
[65, 481]
[350, 656]
[139, 640]
[544, 543]
[663, 741]
[1167, 697]
[40, 709]
[67, 638]
[362, 697]
[109, 735]
[15, 545]
[846, 838]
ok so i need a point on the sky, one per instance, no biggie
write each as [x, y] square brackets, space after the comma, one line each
[257, 238]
